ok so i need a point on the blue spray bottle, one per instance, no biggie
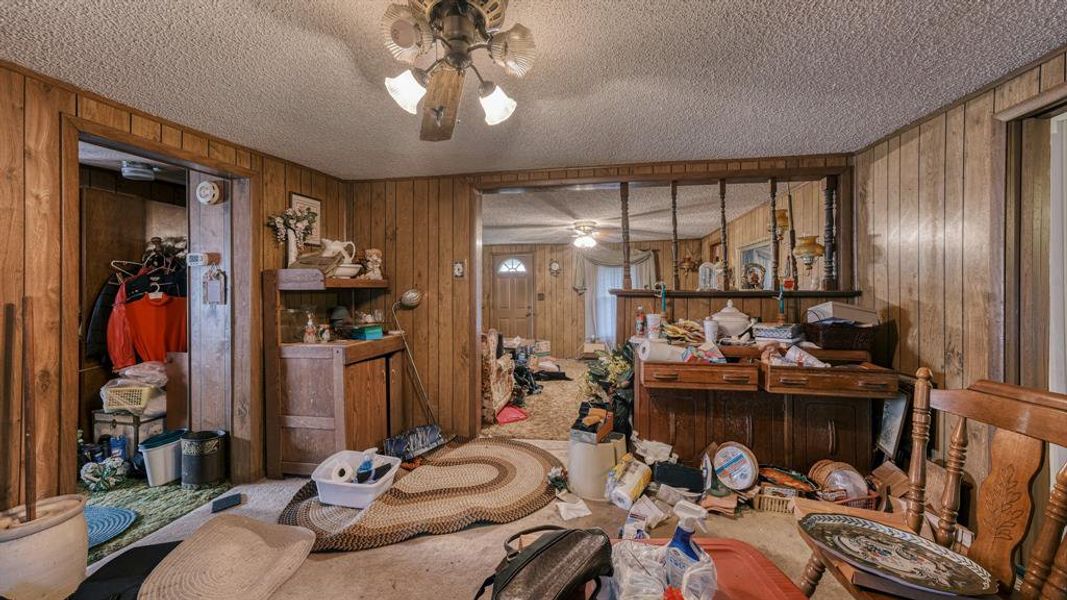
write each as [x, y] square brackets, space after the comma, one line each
[682, 552]
[366, 467]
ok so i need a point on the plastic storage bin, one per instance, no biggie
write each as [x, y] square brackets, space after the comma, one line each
[352, 495]
[163, 457]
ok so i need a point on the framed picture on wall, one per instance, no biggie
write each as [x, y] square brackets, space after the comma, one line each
[299, 201]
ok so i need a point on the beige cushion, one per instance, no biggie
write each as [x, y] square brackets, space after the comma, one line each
[230, 557]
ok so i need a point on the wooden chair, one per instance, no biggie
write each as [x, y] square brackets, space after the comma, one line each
[1025, 419]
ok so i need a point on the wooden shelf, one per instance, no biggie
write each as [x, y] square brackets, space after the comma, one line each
[643, 293]
[311, 280]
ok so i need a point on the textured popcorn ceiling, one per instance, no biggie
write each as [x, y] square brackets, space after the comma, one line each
[616, 80]
[548, 216]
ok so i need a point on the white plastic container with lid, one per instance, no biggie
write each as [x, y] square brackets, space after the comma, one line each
[349, 493]
[162, 461]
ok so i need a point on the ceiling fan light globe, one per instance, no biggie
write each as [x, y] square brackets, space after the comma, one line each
[497, 105]
[405, 33]
[406, 90]
[584, 241]
[514, 50]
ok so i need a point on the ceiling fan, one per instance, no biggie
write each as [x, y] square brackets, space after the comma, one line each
[453, 29]
[585, 234]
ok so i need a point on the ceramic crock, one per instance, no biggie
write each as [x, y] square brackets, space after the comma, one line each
[45, 558]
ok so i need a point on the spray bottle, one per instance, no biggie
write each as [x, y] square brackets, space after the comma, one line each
[366, 466]
[682, 552]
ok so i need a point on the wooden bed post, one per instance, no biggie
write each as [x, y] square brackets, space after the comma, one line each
[624, 197]
[674, 233]
[722, 236]
[775, 283]
[29, 412]
[829, 267]
[792, 258]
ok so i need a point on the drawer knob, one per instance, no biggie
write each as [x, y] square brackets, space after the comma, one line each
[793, 380]
[665, 376]
[735, 378]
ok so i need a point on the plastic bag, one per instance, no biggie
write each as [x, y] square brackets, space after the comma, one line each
[700, 582]
[148, 373]
[639, 572]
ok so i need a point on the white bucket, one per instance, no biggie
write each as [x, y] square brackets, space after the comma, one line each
[588, 466]
[163, 464]
[45, 558]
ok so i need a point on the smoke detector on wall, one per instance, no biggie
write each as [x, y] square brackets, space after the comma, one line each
[138, 171]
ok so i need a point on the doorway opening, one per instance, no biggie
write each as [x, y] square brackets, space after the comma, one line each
[136, 221]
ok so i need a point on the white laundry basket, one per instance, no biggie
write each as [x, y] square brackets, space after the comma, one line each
[352, 495]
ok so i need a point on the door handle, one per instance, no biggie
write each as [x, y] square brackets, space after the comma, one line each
[831, 429]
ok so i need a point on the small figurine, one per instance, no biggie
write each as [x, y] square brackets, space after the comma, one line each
[372, 264]
[324, 333]
[311, 332]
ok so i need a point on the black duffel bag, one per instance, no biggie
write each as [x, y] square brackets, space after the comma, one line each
[554, 567]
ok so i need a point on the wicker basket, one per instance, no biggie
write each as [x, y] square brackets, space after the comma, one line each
[768, 503]
[868, 502]
[840, 336]
[131, 398]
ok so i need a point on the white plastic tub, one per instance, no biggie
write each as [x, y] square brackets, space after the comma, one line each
[352, 495]
[163, 464]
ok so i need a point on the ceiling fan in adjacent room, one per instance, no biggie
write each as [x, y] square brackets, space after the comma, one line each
[453, 30]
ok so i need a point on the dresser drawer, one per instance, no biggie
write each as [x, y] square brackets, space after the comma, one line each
[861, 381]
[739, 377]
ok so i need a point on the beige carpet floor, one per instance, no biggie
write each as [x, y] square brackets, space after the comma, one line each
[453, 566]
[551, 412]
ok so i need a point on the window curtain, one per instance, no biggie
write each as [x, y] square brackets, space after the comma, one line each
[606, 279]
[586, 263]
[1057, 372]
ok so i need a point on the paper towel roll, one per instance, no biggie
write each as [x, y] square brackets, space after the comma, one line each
[659, 351]
[629, 488]
[342, 472]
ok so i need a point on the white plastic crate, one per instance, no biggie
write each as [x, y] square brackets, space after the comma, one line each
[352, 495]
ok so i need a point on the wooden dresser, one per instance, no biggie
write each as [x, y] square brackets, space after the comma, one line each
[788, 416]
[322, 398]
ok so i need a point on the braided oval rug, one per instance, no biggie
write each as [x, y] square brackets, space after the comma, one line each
[493, 480]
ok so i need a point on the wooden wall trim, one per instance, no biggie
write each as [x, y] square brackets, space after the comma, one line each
[1039, 103]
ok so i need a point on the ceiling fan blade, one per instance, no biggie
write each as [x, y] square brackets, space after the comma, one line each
[441, 105]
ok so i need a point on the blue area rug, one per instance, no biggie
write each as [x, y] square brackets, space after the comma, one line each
[106, 522]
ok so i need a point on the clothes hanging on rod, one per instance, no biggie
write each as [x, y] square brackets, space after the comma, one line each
[149, 316]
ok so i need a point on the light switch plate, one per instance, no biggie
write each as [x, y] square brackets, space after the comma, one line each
[459, 269]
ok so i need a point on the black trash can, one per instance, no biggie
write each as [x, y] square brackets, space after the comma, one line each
[203, 458]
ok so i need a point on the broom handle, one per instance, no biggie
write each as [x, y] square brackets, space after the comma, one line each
[29, 411]
[424, 401]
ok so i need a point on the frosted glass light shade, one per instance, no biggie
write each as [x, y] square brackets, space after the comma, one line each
[584, 241]
[497, 105]
[406, 90]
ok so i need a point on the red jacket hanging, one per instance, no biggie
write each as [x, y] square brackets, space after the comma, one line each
[119, 339]
[158, 326]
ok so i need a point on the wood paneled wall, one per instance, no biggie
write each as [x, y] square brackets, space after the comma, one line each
[559, 310]
[31, 186]
[751, 228]
[423, 226]
[930, 243]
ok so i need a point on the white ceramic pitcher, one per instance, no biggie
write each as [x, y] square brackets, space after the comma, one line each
[335, 247]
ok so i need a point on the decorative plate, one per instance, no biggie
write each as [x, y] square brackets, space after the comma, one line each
[107, 522]
[898, 555]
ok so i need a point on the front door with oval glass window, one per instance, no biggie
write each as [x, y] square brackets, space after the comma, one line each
[512, 295]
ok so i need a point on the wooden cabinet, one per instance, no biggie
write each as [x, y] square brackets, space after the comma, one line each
[792, 418]
[330, 397]
[755, 419]
[832, 428]
[322, 398]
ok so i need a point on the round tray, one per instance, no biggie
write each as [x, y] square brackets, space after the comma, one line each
[897, 555]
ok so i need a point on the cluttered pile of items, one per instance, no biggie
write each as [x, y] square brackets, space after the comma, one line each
[831, 326]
